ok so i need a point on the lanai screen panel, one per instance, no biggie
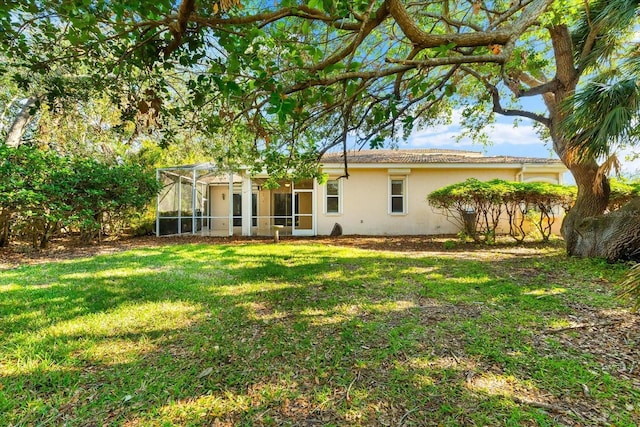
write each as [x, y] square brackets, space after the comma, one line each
[184, 203]
[175, 204]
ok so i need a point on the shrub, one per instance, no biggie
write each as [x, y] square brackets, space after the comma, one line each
[42, 193]
[621, 192]
[476, 207]
[472, 205]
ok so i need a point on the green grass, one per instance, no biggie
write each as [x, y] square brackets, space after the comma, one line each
[292, 334]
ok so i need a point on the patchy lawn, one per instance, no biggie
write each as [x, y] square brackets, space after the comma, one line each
[319, 332]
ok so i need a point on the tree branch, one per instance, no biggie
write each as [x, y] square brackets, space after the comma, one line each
[426, 40]
[381, 14]
[509, 12]
[453, 22]
[300, 11]
[348, 76]
[179, 27]
[500, 36]
[566, 73]
[541, 89]
[443, 80]
[435, 62]
[497, 106]
[396, 86]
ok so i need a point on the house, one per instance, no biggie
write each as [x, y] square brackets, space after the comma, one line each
[385, 194]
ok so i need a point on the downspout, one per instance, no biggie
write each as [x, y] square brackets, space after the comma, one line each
[520, 175]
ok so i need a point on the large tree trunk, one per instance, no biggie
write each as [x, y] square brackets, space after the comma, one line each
[590, 202]
[5, 230]
[17, 129]
[589, 231]
[614, 236]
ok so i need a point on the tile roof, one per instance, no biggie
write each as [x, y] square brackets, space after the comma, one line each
[413, 156]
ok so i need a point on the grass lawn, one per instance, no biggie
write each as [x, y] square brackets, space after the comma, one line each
[312, 334]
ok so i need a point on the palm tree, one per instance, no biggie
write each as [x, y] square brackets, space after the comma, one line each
[605, 112]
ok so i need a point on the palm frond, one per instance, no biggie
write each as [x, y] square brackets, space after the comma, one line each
[602, 116]
[609, 21]
[629, 288]
[631, 66]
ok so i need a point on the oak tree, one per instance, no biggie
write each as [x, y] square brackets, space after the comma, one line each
[307, 76]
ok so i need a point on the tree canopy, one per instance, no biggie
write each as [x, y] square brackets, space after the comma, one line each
[301, 75]
[297, 78]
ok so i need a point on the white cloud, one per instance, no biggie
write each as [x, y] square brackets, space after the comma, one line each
[506, 140]
[499, 133]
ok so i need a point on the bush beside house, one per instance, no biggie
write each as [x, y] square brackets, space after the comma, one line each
[479, 208]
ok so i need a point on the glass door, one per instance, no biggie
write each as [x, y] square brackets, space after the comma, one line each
[303, 212]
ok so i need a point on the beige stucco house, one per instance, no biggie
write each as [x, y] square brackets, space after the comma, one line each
[385, 194]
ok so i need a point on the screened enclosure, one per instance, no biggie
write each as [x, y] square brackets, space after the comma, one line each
[201, 199]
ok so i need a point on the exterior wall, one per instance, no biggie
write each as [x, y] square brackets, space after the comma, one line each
[264, 213]
[551, 177]
[219, 205]
[365, 199]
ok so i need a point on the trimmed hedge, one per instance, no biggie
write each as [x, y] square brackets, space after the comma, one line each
[622, 191]
[477, 206]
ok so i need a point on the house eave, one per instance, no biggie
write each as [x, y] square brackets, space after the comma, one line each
[530, 166]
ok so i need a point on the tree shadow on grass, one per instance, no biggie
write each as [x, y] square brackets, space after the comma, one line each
[306, 337]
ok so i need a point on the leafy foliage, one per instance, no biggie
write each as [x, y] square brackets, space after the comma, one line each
[478, 207]
[42, 193]
[298, 75]
[621, 192]
[602, 115]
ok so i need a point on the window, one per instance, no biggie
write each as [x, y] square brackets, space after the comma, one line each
[332, 201]
[398, 195]
[237, 210]
[282, 209]
[254, 209]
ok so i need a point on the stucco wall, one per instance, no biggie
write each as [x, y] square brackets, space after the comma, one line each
[219, 205]
[541, 177]
[365, 200]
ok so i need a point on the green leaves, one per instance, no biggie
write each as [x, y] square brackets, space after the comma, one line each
[43, 192]
[603, 115]
[480, 206]
[444, 49]
[316, 4]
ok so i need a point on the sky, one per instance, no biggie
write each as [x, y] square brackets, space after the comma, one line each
[507, 140]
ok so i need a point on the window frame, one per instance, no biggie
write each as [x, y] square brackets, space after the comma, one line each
[338, 196]
[405, 194]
